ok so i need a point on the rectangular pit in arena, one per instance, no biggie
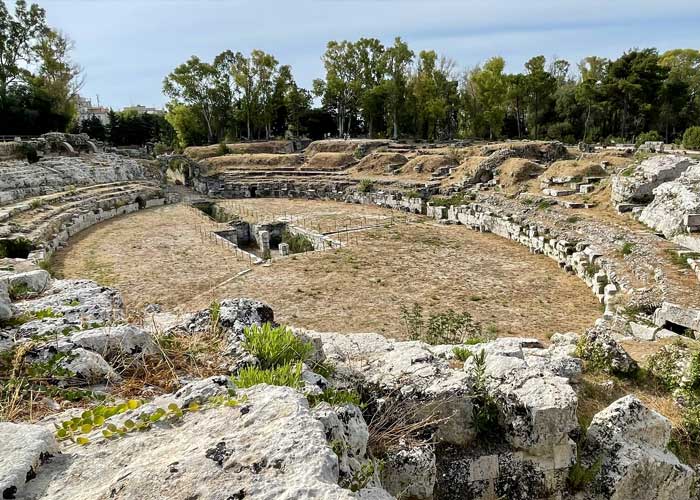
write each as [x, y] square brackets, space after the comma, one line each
[267, 239]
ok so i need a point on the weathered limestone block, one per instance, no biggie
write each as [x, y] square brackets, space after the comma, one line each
[646, 176]
[346, 432]
[284, 249]
[410, 472]
[269, 447]
[674, 203]
[35, 281]
[23, 449]
[632, 441]
[406, 370]
[537, 409]
[680, 316]
[115, 341]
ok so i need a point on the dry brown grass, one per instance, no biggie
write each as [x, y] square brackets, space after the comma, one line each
[329, 161]
[251, 161]
[424, 165]
[380, 163]
[156, 256]
[201, 152]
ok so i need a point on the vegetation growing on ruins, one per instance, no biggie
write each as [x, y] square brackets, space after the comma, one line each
[275, 346]
[298, 243]
[443, 328]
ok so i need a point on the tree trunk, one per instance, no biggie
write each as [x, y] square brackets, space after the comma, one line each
[396, 126]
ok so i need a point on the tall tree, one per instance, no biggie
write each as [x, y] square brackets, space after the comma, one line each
[397, 62]
[491, 88]
[540, 85]
[19, 33]
[198, 84]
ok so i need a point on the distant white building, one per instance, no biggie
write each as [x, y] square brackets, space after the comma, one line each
[144, 110]
[86, 110]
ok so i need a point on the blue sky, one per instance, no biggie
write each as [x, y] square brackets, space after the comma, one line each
[126, 47]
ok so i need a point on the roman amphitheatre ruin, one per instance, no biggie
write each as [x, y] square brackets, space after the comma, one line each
[463, 320]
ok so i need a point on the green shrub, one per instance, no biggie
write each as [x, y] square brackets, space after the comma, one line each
[462, 353]
[298, 243]
[222, 149]
[652, 136]
[287, 375]
[484, 409]
[366, 186]
[335, 397]
[16, 248]
[627, 248]
[275, 346]
[691, 138]
[443, 328]
[455, 200]
[18, 291]
[580, 476]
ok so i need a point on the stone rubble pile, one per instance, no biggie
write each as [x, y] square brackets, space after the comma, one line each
[266, 441]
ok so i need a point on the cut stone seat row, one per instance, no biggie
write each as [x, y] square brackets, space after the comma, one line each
[39, 229]
[21, 210]
[19, 180]
[283, 172]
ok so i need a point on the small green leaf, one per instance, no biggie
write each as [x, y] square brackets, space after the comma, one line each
[87, 414]
[173, 408]
[106, 433]
[61, 433]
[193, 406]
[82, 441]
[86, 428]
[129, 424]
[133, 404]
[112, 428]
[99, 420]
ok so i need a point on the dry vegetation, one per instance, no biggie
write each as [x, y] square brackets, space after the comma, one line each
[157, 256]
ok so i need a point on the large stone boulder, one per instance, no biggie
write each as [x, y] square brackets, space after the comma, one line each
[636, 184]
[32, 281]
[673, 203]
[630, 442]
[415, 378]
[267, 447]
[23, 449]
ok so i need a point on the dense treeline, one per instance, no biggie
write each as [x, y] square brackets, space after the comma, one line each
[39, 83]
[377, 91]
[129, 128]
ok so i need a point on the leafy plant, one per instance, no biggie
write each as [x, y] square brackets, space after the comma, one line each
[580, 476]
[298, 243]
[287, 375]
[335, 397]
[484, 409]
[222, 149]
[365, 186]
[691, 138]
[627, 248]
[462, 353]
[18, 291]
[454, 200]
[442, 328]
[364, 475]
[275, 346]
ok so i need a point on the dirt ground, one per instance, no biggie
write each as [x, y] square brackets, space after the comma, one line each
[158, 256]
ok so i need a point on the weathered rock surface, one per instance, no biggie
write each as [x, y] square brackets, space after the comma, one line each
[23, 449]
[269, 447]
[632, 441]
[601, 349]
[410, 472]
[638, 186]
[5, 303]
[35, 281]
[673, 202]
[66, 306]
[20, 179]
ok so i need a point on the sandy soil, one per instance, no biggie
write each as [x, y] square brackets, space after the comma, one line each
[158, 256]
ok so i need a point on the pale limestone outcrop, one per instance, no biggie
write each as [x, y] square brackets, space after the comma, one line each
[632, 442]
[637, 185]
[674, 202]
[268, 447]
[23, 450]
